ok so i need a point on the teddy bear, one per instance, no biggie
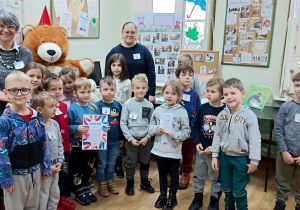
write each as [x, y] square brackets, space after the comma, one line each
[141, 25]
[288, 89]
[95, 96]
[49, 46]
[177, 25]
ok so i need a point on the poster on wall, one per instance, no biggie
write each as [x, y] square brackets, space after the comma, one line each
[161, 34]
[248, 32]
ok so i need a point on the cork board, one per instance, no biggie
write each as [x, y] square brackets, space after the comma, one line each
[248, 32]
[76, 17]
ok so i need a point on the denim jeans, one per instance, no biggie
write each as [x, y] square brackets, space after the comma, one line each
[106, 160]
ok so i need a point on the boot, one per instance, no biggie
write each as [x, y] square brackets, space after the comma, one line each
[213, 203]
[102, 189]
[171, 202]
[112, 187]
[80, 195]
[118, 167]
[146, 185]
[65, 204]
[89, 194]
[184, 181]
[197, 202]
[130, 187]
[280, 205]
[161, 200]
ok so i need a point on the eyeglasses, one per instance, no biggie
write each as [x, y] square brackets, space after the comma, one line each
[130, 32]
[15, 91]
[9, 27]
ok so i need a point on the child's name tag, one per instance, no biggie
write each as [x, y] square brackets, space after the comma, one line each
[51, 135]
[58, 112]
[297, 118]
[106, 110]
[136, 56]
[186, 97]
[19, 65]
[133, 116]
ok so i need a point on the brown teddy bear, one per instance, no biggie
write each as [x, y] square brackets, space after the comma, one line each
[49, 46]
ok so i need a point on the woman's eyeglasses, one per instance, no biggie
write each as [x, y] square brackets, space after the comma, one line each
[9, 27]
[15, 91]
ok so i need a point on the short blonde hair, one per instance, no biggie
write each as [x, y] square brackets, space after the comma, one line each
[185, 59]
[234, 82]
[216, 81]
[175, 85]
[139, 78]
[38, 100]
[82, 82]
[17, 76]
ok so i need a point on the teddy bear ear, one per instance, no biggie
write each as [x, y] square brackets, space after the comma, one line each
[27, 28]
[63, 30]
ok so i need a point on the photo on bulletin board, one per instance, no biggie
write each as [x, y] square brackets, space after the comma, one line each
[80, 17]
[248, 32]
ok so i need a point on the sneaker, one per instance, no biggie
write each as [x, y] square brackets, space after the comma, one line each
[89, 194]
[130, 187]
[279, 205]
[112, 187]
[161, 200]
[171, 202]
[184, 181]
[213, 203]
[197, 202]
[146, 185]
[103, 189]
[65, 204]
[80, 196]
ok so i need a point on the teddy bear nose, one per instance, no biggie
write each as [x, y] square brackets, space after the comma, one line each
[51, 52]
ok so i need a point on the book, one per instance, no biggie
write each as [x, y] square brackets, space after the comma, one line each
[257, 96]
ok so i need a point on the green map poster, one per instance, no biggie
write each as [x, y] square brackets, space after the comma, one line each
[257, 96]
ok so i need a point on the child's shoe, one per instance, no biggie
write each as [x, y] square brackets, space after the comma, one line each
[146, 185]
[197, 202]
[184, 181]
[80, 195]
[91, 184]
[65, 204]
[112, 187]
[89, 194]
[102, 189]
[279, 205]
[213, 203]
[118, 168]
[161, 200]
[171, 202]
[130, 187]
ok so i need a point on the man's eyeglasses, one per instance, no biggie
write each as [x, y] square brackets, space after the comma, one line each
[15, 91]
[9, 27]
[130, 32]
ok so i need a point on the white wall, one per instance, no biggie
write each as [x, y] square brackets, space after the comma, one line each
[263, 76]
[113, 14]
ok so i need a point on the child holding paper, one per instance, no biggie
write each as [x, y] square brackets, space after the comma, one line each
[168, 141]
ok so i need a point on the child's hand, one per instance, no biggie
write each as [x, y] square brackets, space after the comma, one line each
[135, 142]
[168, 133]
[207, 151]
[108, 128]
[44, 178]
[251, 168]
[159, 130]
[53, 169]
[9, 189]
[83, 128]
[58, 166]
[144, 141]
[199, 148]
[121, 143]
[297, 160]
[214, 164]
[287, 157]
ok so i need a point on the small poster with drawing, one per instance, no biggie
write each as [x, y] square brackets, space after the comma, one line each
[257, 96]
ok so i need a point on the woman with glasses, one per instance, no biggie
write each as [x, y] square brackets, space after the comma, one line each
[138, 57]
[12, 56]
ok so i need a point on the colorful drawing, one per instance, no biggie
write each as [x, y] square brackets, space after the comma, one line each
[141, 25]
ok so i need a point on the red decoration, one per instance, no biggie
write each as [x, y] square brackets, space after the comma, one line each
[45, 19]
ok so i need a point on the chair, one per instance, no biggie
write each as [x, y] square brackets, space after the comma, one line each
[96, 75]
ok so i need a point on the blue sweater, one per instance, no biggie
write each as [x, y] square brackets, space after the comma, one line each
[135, 66]
[205, 124]
[191, 108]
[75, 113]
[115, 133]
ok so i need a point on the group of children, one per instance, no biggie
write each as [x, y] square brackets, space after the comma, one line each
[45, 122]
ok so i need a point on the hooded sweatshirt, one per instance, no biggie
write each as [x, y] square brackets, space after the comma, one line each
[169, 146]
[237, 134]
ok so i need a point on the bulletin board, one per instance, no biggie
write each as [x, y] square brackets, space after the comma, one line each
[248, 32]
[206, 65]
[79, 17]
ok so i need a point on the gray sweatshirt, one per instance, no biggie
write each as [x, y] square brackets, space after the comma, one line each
[237, 135]
[287, 127]
[55, 146]
[135, 118]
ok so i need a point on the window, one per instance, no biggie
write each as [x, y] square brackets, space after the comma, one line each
[163, 6]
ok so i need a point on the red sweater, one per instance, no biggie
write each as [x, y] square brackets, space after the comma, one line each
[63, 121]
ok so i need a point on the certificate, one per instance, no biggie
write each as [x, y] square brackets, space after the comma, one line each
[166, 121]
[96, 137]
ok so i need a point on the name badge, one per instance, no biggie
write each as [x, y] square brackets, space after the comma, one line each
[58, 112]
[106, 110]
[186, 97]
[297, 118]
[136, 56]
[19, 65]
[51, 135]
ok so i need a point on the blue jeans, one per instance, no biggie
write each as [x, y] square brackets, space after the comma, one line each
[106, 160]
